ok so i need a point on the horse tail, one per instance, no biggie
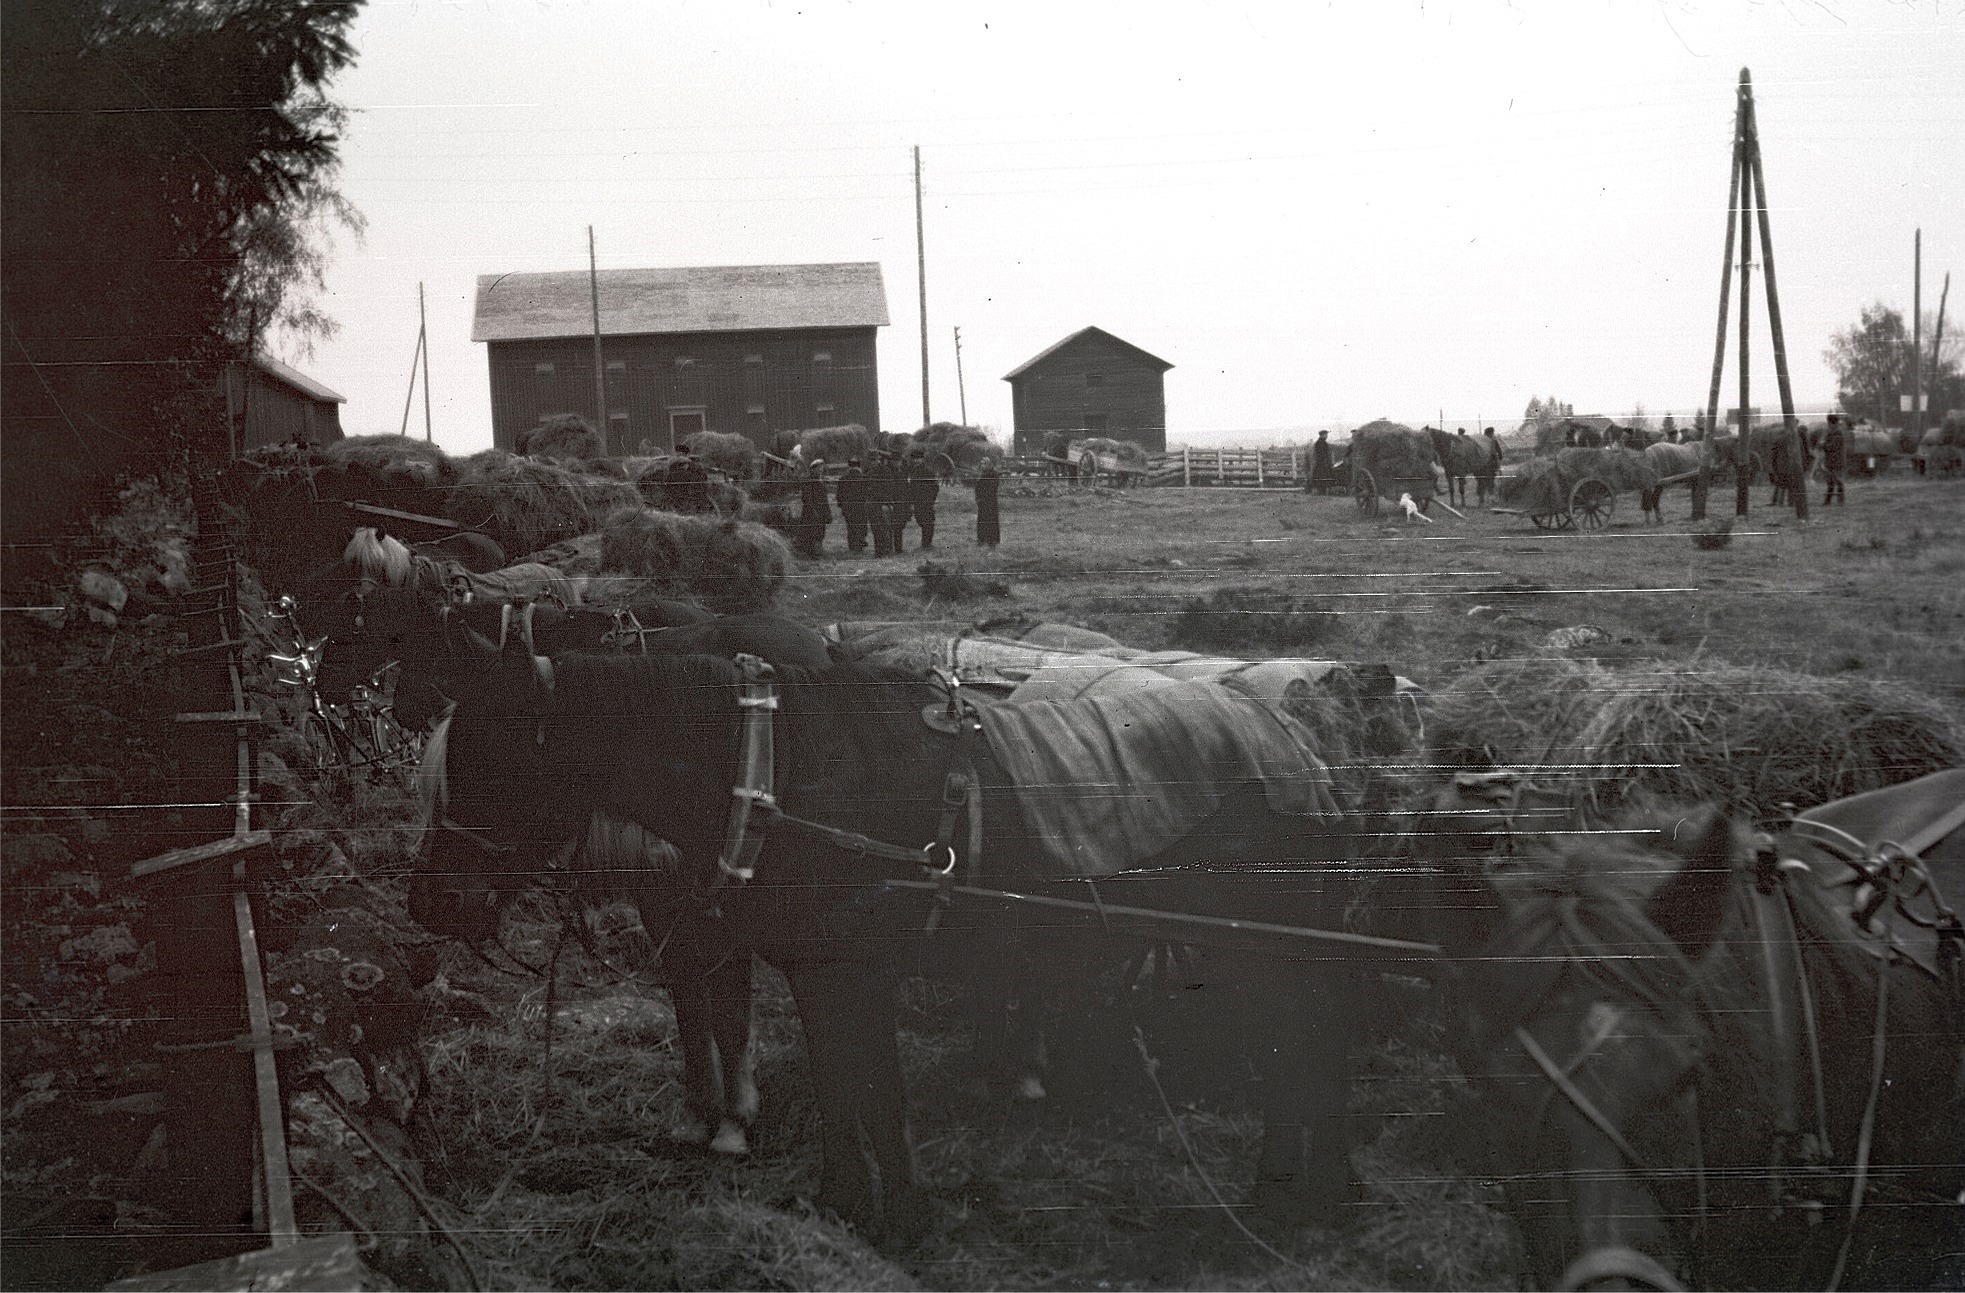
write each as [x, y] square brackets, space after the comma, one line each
[379, 556]
[432, 782]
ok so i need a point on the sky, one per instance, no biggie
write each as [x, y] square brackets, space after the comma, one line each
[1318, 213]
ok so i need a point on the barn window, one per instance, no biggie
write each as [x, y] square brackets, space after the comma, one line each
[544, 370]
[1094, 379]
[616, 366]
[756, 361]
[755, 410]
[825, 408]
[821, 358]
[685, 361]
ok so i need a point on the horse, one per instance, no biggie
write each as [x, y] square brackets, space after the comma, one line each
[1462, 456]
[814, 880]
[1705, 1070]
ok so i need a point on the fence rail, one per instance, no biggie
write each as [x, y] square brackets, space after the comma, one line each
[1209, 468]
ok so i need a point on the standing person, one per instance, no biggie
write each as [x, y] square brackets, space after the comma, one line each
[687, 483]
[922, 490]
[1834, 451]
[814, 513]
[880, 492]
[1322, 474]
[989, 530]
[850, 490]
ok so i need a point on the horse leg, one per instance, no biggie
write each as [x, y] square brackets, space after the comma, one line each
[1305, 1024]
[703, 1095]
[848, 1014]
[729, 992]
[709, 980]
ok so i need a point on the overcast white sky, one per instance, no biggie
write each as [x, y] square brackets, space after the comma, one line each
[1319, 214]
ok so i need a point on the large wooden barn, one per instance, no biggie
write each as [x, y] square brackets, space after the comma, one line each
[1090, 384]
[271, 404]
[747, 348]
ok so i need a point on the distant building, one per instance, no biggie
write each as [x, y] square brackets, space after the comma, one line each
[750, 349]
[274, 404]
[1090, 383]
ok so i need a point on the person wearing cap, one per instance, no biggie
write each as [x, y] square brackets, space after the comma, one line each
[1322, 474]
[922, 489]
[850, 491]
[814, 512]
[881, 489]
[989, 528]
[1834, 451]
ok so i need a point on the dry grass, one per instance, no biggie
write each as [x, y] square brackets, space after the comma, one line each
[730, 566]
[527, 504]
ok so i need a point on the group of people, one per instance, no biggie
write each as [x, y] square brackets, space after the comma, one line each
[876, 503]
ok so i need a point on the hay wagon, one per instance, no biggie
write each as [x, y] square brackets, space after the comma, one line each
[1387, 460]
[1090, 461]
[1577, 488]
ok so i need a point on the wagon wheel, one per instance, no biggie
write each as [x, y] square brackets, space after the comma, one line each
[1365, 491]
[1591, 502]
[1546, 521]
[943, 467]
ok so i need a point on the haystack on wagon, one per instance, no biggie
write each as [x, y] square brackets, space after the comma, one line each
[1096, 458]
[1942, 450]
[1578, 487]
[1388, 460]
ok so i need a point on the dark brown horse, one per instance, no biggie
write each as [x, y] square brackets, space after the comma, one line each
[1702, 1068]
[655, 740]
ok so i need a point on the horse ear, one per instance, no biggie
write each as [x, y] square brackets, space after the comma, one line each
[1689, 907]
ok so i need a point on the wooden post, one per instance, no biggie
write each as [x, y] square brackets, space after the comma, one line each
[921, 276]
[1258, 469]
[1793, 429]
[409, 396]
[1743, 449]
[423, 343]
[1719, 340]
[961, 387]
[1917, 339]
[1187, 467]
[600, 374]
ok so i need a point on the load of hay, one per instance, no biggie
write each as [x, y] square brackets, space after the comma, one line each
[837, 444]
[1128, 453]
[392, 454]
[967, 447]
[730, 566]
[1400, 459]
[528, 503]
[1748, 736]
[733, 455]
[564, 435]
[1541, 486]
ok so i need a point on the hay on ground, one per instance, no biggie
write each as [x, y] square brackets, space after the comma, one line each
[564, 435]
[729, 566]
[1747, 736]
[527, 503]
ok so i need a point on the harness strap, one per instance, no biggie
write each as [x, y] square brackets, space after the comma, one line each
[1582, 1102]
[1776, 957]
[754, 791]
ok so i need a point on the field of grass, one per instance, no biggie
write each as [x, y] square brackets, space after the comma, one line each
[567, 1175]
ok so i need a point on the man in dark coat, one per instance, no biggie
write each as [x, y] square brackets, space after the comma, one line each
[881, 487]
[922, 490]
[1834, 449]
[989, 530]
[850, 490]
[814, 513]
[1322, 474]
[687, 485]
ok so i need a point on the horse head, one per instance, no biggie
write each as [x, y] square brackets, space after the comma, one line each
[1580, 1021]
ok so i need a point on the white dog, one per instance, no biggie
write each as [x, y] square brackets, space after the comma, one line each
[1412, 510]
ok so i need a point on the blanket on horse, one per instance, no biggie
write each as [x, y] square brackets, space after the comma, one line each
[1112, 769]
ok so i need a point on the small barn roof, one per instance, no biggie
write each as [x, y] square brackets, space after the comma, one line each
[1080, 335]
[727, 298]
[298, 380]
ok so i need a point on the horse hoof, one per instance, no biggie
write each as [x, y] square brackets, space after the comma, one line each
[730, 1141]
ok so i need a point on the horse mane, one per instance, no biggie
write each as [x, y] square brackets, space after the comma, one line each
[432, 783]
[378, 556]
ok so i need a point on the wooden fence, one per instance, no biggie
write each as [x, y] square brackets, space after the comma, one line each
[1189, 468]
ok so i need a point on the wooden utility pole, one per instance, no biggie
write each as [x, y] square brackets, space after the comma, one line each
[600, 375]
[1747, 207]
[409, 396]
[1917, 339]
[962, 388]
[921, 275]
[423, 343]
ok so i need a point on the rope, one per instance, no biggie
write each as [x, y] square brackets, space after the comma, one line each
[1865, 1137]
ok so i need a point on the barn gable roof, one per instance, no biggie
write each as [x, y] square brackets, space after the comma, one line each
[728, 298]
[1080, 335]
[298, 380]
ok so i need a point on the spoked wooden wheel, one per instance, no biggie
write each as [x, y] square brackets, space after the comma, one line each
[1591, 502]
[1545, 521]
[1365, 491]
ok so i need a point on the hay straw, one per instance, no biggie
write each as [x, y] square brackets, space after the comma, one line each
[837, 444]
[527, 504]
[1396, 456]
[1742, 735]
[392, 453]
[967, 447]
[733, 455]
[567, 435]
[730, 566]
[1124, 450]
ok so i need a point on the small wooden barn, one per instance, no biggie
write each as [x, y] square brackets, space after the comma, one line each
[751, 349]
[271, 404]
[1090, 384]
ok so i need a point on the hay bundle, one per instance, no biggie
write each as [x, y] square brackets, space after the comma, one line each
[1749, 736]
[729, 566]
[1125, 451]
[733, 455]
[392, 455]
[1624, 470]
[967, 447]
[837, 444]
[1400, 459]
[527, 503]
[564, 435]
